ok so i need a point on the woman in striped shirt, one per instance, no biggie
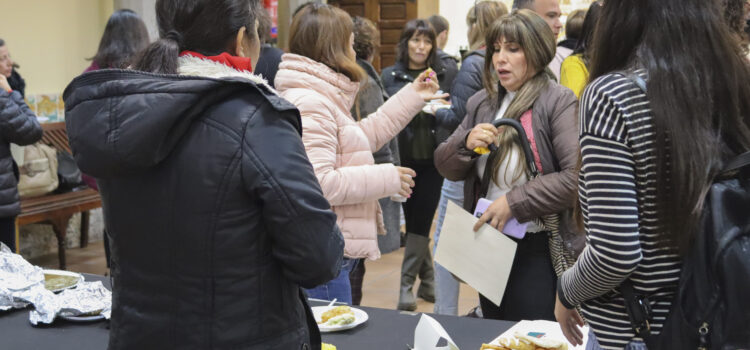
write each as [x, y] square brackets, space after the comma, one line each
[646, 157]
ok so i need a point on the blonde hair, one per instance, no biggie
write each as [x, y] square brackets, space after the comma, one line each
[315, 22]
[533, 35]
[480, 19]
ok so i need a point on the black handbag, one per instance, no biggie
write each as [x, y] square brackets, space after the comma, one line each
[68, 174]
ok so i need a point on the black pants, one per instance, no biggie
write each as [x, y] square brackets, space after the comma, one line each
[419, 210]
[8, 232]
[530, 293]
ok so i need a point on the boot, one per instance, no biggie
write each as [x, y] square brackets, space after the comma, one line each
[426, 289]
[413, 256]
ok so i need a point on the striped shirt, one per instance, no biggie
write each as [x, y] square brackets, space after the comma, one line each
[617, 189]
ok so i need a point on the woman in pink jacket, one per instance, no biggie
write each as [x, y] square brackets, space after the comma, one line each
[321, 77]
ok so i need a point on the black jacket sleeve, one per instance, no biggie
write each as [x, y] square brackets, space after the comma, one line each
[18, 123]
[467, 83]
[275, 167]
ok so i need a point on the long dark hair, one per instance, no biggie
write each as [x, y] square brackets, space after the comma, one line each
[587, 31]
[697, 89]
[124, 37]
[208, 27]
[418, 27]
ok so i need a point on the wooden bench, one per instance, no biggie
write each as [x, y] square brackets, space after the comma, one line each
[57, 209]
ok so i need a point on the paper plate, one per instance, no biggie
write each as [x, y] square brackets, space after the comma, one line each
[360, 317]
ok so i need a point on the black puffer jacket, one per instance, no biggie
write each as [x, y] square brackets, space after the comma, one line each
[467, 83]
[396, 77]
[18, 125]
[215, 214]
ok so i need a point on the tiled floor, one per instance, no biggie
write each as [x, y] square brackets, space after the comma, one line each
[380, 288]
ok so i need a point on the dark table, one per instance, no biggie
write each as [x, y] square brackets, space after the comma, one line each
[393, 330]
[385, 329]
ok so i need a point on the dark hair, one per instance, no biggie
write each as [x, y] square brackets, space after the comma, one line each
[315, 21]
[2, 42]
[124, 37]
[574, 24]
[439, 23]
[412, 28]
[698, 92]
[208, 27]
[264, 24]
[587, 32]
[734, 15]
[523, 4]
[366, 37]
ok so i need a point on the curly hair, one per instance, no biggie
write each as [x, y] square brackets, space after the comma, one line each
[366, 38]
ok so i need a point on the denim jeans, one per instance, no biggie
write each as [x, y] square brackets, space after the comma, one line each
[339, 287]
[446, 286]
[593, 344]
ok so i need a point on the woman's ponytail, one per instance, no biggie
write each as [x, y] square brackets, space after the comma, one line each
[161, 56]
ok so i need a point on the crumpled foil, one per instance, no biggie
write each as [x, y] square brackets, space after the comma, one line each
[22, 284]
[18, 278]
[87, 299]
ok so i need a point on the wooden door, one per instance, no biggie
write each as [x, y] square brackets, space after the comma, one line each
[390, 16]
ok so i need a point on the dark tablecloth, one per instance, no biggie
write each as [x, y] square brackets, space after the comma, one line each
[385, 329]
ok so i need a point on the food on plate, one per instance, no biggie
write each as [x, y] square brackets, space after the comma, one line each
[341, 320]
[57, 282]
[336, 311]
[525, 342]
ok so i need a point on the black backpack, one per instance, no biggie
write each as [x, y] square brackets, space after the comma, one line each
[711, 309]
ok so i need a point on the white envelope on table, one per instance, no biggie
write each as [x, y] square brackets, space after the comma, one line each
[482, 259]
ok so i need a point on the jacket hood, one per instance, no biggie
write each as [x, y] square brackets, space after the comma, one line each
[121, 122]
[300, 72]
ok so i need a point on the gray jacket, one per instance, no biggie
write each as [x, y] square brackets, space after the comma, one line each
[371, 96]
[18, 125]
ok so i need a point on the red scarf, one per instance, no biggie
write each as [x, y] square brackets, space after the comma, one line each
[236, 62]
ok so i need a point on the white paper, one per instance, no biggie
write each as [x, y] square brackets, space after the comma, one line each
[428, 334]
[482, 259]
[549, 328]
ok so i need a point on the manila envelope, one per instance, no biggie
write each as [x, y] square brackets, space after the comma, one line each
[482, 259]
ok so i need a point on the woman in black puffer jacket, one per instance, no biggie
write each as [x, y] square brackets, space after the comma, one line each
[215, 214]
[416, 53]
[18, 125]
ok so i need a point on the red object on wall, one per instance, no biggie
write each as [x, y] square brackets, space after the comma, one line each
[273, 9]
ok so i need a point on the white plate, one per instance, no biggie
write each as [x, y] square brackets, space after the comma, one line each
[64, 273]
[82, 318]
[360, 317]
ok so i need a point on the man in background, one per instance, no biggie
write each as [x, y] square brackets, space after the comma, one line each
[549, 10]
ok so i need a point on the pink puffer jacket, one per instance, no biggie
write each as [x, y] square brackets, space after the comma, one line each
[340, 149]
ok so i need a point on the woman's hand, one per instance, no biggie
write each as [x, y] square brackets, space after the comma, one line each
[569, 321]
[4, 83]
[481, 136]
[426, 85]
[407, 181]
[496, 215]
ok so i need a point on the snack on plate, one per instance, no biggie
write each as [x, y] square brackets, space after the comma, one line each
[336, 311]
[525, 342]
[341, 320]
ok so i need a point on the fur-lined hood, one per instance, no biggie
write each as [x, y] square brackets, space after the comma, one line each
[200, 67]
[125, 121]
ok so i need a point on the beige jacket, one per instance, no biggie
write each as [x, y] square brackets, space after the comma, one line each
[340, 149]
